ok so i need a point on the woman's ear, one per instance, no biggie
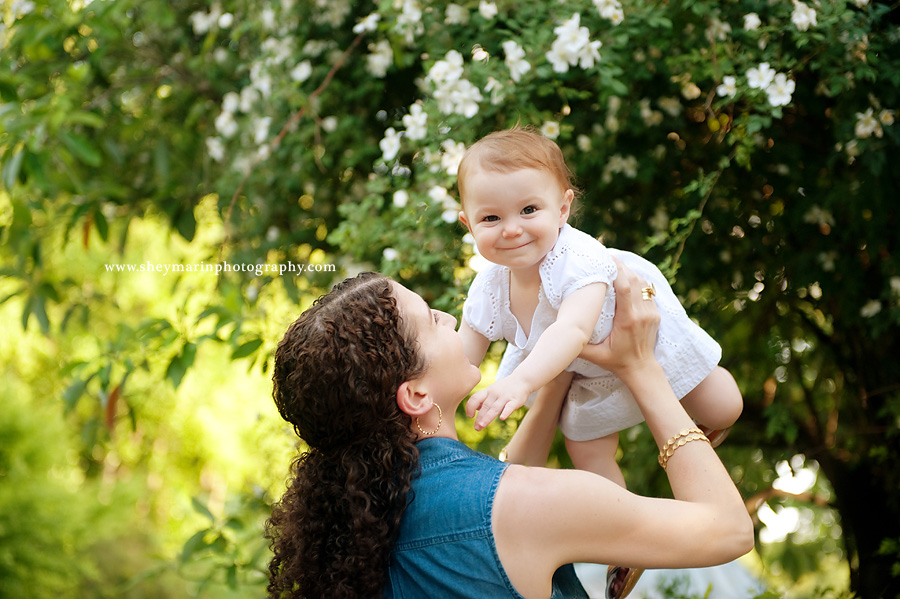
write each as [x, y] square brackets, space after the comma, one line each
[413, 400]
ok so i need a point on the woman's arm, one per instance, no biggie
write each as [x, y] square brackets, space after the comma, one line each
[576, 516]
[558, 345]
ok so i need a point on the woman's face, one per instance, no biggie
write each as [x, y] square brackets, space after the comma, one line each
[447, 367]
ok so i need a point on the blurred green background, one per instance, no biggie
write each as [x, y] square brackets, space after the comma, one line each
[748, 147]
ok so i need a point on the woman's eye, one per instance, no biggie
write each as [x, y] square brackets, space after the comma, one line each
[529, 210]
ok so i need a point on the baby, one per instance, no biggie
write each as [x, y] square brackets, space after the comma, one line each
[549, 292]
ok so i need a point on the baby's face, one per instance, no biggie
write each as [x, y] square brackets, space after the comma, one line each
[515, 217]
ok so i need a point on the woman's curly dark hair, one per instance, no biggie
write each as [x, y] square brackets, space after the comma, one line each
[337, 371]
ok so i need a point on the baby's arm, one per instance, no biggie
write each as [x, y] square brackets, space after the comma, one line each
[557, 347]
[475, 345]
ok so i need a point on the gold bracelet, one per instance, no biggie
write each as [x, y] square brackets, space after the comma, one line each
[679, 440]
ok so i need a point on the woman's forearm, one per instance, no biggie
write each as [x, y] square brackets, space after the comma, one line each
[694, 470]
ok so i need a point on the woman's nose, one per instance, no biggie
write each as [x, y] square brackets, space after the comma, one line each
[447, 319]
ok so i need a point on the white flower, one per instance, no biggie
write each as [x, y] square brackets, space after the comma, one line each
[390, 145]
[231, 102]
[390, 254]
[260, 80]
[200, 22]
[367, 24]
[861, 3]
[651, 117]
[261, 129]
[867, 125]
[458, 97]
[671, 106]
[584, 143]
[728, 88]
[272, 234]
[226, 20]
[515, 60]
[760, 78]
[690, 91]
[573, 46]
[302, 71]
[780, 90]
[249, 95]
[330, 123]
[226, 125]
[803, 16]
[886, 117]
[439, 195]
[752, 21]
[488, 10]
[717, 30]
[447, 70]
[818, 216]
[610, 9]
[416, 122]
[401, 197]
[895, 286]
[495, 88]
[450, 216]
[452, 155]
[456, 15]
[870, 309]
[550, 129]
[215, 148]
[479, 54]
[268, 18]
[381, 57]
[263, 151]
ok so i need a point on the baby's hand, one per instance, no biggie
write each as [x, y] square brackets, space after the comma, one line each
[500, 399]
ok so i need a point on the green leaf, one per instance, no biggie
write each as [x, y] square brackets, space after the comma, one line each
[11, 168]
[231, 577]
[179, 365]
[194, 544]
[200, 508]
[82, 148]
[246, 349]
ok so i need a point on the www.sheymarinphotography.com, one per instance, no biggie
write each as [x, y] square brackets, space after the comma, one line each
[290, 268]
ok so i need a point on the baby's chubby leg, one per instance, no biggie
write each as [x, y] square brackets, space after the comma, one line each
[716, 402]
[597, 456]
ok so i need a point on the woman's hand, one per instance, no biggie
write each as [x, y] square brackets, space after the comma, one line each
[631, 342]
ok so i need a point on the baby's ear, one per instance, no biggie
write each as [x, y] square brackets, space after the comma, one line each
[565, 208]
[464, 220]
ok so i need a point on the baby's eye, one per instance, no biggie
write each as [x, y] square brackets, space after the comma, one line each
[529, 210]
[491, 218]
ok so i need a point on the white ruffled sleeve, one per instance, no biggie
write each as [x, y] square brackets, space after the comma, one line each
[575, 261]
[481, 310]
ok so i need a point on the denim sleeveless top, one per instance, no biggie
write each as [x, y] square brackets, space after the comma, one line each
[445, 547]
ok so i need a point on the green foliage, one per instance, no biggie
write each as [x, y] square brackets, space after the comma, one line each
[276, 133]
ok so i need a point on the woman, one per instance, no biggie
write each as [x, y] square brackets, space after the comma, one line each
[387, 502]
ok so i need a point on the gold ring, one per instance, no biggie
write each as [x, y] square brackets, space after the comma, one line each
[648, 292]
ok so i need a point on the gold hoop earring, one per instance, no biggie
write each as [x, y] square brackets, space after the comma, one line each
[437, 428]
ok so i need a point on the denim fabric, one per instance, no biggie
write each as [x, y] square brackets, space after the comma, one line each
[445, 548]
